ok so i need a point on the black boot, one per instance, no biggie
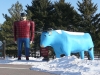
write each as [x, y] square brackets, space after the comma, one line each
[45, 59]
[19, 58]
[27, 58]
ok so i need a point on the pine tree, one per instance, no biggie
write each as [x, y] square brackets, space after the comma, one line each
[15, 11]
[90, 21]
[64, 15]
[7, 27]
[40, 13]
[0, 32]
[0, 26]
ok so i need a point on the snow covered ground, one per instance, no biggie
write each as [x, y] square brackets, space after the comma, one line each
[60, 66]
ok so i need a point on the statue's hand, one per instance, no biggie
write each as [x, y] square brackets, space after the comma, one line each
[30, 42]
[15, 42]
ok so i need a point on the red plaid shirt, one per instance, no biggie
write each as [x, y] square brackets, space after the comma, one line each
[24, 29]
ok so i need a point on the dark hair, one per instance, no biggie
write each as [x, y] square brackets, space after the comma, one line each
[23, 14]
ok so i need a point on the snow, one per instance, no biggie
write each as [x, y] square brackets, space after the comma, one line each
[61, 66]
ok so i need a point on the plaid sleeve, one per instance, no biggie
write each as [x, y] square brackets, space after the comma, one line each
[32, 28]
[14, 31]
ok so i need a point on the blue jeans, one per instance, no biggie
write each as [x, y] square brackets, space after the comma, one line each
[26, 42]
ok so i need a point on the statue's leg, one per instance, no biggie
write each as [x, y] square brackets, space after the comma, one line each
[57, 55]
[19, 44]
[67, 50]
[27, 47]
[91, 53]
[67, 53]
[82, 54]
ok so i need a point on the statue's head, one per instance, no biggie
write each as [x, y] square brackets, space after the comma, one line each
[23, 16]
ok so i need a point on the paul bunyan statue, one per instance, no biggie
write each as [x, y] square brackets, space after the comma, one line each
[24, 34]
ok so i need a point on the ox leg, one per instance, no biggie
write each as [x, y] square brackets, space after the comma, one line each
[91, 53]
[82, 54]
[67, 53]
[57, 55]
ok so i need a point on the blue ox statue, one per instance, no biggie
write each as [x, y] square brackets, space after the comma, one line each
[66, 42]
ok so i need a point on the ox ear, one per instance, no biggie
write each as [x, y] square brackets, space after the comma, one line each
[50, 31]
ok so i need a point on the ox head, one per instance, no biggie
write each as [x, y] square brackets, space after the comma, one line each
[47, 38]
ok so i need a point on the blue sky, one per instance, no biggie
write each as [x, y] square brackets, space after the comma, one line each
[6, 4]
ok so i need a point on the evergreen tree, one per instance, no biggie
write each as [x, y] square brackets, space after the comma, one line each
[40, 13]
[64, 16]
[90, 21]
[0, 26]
[15, 11]
[0, 32]
[7, 27]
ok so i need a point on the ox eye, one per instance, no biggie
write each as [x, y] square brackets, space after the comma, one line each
[44, 35]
